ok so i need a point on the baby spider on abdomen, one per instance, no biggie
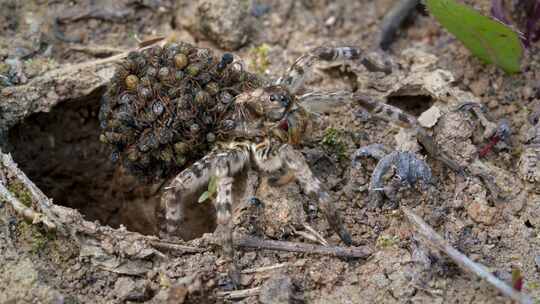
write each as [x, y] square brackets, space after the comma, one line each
[256, 126]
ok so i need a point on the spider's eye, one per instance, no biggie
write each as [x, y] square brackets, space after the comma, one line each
[272, 97]
[284, 101]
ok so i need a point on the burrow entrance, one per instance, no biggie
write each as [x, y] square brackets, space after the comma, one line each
[413, 104]
[61, 153]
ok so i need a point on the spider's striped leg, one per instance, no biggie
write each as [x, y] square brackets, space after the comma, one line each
[295, 162]
[325, 102]
[177, 201]
[328, 101]
[222, 165]
[302, 67]
[180, 197]
[384, 111]
[227, 165]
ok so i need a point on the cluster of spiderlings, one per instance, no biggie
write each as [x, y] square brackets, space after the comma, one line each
[165, 107]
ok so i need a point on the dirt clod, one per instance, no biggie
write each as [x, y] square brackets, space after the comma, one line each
[227, 23]
[279, 289]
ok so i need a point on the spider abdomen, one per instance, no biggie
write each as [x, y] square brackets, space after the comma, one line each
[165, 106]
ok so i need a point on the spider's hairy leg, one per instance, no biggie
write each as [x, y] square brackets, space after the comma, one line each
[311, 185]
[295, 163]
[227, 165]
[181, 189]
[325, 102]
[190, 182]
[384, 111]
[302, 67]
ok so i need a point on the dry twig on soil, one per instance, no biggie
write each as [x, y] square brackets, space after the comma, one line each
[39, 199]
[97, 50]
[436, 241]
[346, 252]
[239, 294]
[166, 246]
[26, 212]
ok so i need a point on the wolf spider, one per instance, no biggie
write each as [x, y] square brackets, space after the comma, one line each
[268, 122]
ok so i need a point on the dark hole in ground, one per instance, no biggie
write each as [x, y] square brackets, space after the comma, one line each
[61, 152]
[413, 105]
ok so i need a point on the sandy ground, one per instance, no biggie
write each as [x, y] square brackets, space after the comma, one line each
[58, 148]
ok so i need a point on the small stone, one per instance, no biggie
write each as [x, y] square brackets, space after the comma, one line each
[278, 289]
[227, 23]
[480, 87]
[511, 109]
[429, 117]
[177, 294]
[123, 287]
[493, 104]
[481, 213]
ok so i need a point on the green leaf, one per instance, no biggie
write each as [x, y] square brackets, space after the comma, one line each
[488, 39]
[204, 197]
[212, 184]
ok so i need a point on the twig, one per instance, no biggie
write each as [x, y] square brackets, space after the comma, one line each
[9, 164]
[393, 20]
[96, 50]
[96, 13]
[265, 268]
[317, 235]
[160, 245]
[462, 260]
[351, 252]
[26, 212]
[309, 236]
[40, 199]
[238, 294]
